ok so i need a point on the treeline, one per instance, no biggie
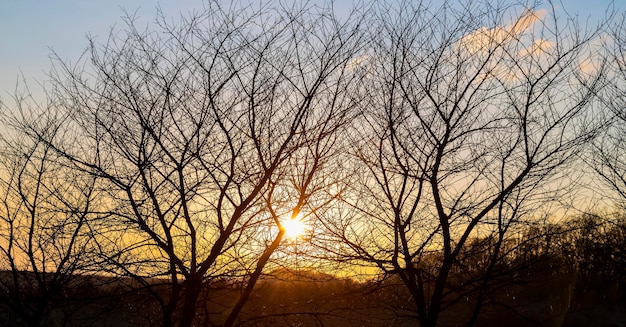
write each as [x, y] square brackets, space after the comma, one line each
[562, 273]
[423, 143]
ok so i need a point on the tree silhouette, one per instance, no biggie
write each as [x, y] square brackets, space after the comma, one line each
[474, 112]
[202, 133]
[46, 241]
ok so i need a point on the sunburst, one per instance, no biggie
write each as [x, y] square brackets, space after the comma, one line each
[293, 227]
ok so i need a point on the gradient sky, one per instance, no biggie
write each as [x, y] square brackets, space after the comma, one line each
[31, 29]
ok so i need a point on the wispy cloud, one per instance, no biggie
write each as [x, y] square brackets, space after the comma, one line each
[488, 38]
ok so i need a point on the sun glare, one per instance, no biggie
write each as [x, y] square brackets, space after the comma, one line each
[293, 227]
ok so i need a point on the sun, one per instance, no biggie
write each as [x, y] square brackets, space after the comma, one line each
[293, 227]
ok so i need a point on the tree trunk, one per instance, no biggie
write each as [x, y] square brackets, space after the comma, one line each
[193, 286]
[253, 279]
[437, 297]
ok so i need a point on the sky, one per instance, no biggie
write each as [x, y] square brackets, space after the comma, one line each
[31, 29]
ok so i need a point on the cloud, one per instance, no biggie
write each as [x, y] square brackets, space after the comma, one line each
[526, 21]
[589, 65]
[488, 38]
[359, 62]
[517, 38]
[538, 47]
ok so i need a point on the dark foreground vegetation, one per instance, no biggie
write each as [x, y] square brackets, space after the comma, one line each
[570, 274]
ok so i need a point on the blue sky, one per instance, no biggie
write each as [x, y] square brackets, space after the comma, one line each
[29, 29]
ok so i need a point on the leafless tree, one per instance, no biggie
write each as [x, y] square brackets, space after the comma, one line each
[608, 159]
[45, 240]
[473, 115]
[203, 133]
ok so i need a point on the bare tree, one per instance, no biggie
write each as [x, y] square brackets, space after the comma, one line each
[202, 134]
[607, 157]
[45, 243]
[474, 113]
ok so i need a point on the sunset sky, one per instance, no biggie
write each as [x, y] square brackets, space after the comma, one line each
[423, 161]
[29, 29]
